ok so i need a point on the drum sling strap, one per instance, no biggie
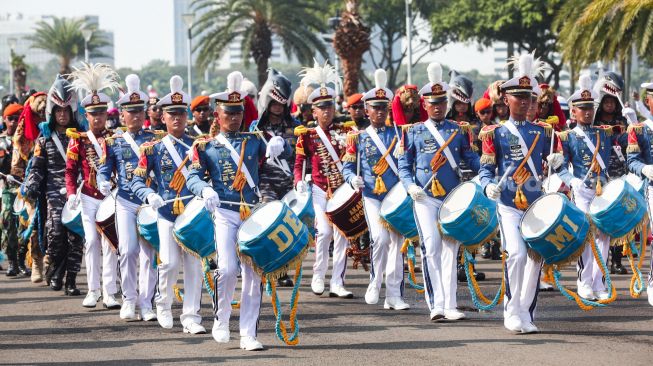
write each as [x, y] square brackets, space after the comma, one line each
[92, 181]
[179, 177]
[384, 162]
[438, 160]
[522, 174]
[242, 174]
[596, 157]
[329, 147]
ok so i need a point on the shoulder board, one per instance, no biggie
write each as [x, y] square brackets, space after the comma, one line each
[301, 130]
[607, 129]
[563, 135]
[147, 148]
[74, 134]
[201, 141]
[487, 132]
[352, 136]
[466, 127]
[159, 134]
[638, 128]
[408, 126]
[548, 129]
[348, 124]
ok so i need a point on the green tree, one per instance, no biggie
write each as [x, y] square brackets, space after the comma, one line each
[63, 38]
[295, 22]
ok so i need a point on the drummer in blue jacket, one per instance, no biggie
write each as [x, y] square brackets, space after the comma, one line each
[232, 161]
[169, 159]
[121, 157]
[378, 174]
[579, 147]
[502, 147]
[429, 169]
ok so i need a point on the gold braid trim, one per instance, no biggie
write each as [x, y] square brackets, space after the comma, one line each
[71, 155]
[637, 127]
[488, 159]
[349, 158]
[486, 133]
[72, 133]
[141, 172]
[563, 135]
[632, 148]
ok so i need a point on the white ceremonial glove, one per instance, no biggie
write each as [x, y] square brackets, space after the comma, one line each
[72, 201]
[211, 199]
[630, 115]
[357, 183]
[301, 187]
[647, 171]
[492, 191]
[555, 160]
[275, 147]
[155, 201]
[105, 187]
[416, 192]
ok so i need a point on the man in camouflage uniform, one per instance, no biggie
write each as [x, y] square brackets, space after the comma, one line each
[202, 112]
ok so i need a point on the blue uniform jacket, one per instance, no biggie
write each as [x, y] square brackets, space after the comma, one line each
[640, 148]
[576, 152]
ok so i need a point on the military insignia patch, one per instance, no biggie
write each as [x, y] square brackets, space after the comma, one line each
[176, 98]
[525, 81]
[134, 97]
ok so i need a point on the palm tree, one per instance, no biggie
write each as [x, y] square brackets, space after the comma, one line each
[63, 38]
[295, 22]
[351, 41]
[19, 68]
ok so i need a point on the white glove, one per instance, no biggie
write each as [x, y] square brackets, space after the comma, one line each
[275, 147]
[555, 160]
[301, 187]
[416, 192]
[630, 115]
[72, 201]
[155, 201]
[211, 199]
[357, 183]
[105, 187]
[647, 171]
[492, 191]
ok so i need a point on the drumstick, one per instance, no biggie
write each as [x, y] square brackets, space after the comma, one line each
[11, 178]
[553, 138]
[505, 175]
[275, 159]
[191, 196]
[358, 166]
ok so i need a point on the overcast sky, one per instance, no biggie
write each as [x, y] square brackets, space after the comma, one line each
[143, 29]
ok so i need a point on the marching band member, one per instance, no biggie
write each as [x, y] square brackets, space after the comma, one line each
[85, 151]
[433, 152]
[580, 149]
[640, 161]
[321, 148]
[121, 156]
[201, 123]
[525, 144]
[373, 146]
[45, 181]
[168, 159]
[232, 160]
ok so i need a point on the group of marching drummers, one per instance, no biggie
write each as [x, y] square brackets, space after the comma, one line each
[148, 201]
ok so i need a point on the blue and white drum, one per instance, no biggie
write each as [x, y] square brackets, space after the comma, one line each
[194, 229]
[272, 237]
[468, 216]
[554, 228]
[20, 209]
[147, 226]
[637, 183]
[619, 210]
[302, 205]
[397, 211]
[72, 218]
[553, 184]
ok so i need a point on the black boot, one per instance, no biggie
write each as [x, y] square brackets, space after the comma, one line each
[71, 286]
[486, 251]
[284, 281]
[22, 269]
[56, 279]
[12, 270]
[496, 251]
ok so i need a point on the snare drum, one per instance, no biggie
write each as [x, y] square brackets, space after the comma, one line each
[637, 183]
[302, 205]
[553, 184]
[72, 218]
[273, 237]
[619, 210]
[345, 211]
[468, 216]
[105, 220]
[555, 229]
[20, 210]
[194, 229]
[147, 225]
[397, 211]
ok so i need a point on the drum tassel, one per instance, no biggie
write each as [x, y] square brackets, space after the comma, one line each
[409, 250]
[244, 210]
[178, 206]
[240, 180]
[606, 274]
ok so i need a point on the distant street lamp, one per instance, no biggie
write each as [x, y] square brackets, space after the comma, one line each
[86, 33]
[189, 19]
[12, 44]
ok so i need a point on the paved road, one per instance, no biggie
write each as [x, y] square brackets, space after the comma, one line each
[40, 326]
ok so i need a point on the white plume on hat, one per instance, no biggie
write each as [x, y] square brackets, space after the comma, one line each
[380, 78]
[93, 78]
[585, 82]
[527, 65]
[234, 81]
[434, 72]
[320, 75]
[176, 84]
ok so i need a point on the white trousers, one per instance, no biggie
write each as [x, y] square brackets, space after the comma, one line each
[589, 271]
[438, 257]
[132, 249]
[385, 250]
[96, 247]
[325, 231]
[172, 256]
[522, 273]
[227, 223]
[649, 197]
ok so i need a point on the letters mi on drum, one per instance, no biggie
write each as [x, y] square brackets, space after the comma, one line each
[560, 236]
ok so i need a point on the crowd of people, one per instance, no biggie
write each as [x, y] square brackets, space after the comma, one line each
[68, 149]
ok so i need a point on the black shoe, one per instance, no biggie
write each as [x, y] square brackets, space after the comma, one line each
[480, 276]
[12, 270]
[71, 286]
[212, 265]
[22, 269]
[462, 276]
[496, 252]
[56, 275]
[56, 283]
[486, 252]
[619, 269]
[284, 281]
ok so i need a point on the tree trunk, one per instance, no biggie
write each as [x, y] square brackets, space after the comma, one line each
[64, 68]
[351, 69]
[572, 78]
[261, 50]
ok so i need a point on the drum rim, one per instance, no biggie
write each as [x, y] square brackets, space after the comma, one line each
[284, 207]
[609, 207]
[523, 216]
[449, 198]
[335, 193]
[383, 210]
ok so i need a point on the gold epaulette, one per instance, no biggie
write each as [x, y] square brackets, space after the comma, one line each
[637, 127]
[548, 129]
[300, 130]
[73, 133]
[487, 132]
[607, 129]
[348, 124]
[563, 135]
[110, 140]
[141, 172]
[201, 141]
[352, 137]
[465, 127]
[159, 134]
[147, 148]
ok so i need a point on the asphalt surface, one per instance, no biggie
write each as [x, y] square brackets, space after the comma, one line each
[40, 326]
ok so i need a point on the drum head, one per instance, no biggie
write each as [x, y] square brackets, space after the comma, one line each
[68, 215]
[457, 202]
[634, 181]
[147, 215]
[393, 199]
[541, 215]
[259, 221]
[611, 192]
[340, 197]
[296, 201]
[193, 208]
[19, 205]
[106, 210]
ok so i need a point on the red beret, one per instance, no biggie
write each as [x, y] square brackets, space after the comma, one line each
[353, 99]
[198, 101]
[482, 104]
[11, 109]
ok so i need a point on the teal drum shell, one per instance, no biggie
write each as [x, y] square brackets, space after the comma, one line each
[468, 216]
[272, 237]
[194, 229]
[619, 210]
[302, 205]
[147, 226]
[72, 219]
[554, 228]
[397, 211]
